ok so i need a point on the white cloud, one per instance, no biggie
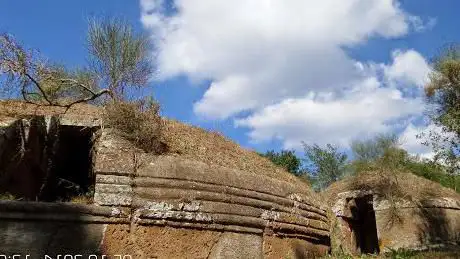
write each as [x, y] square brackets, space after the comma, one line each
[412, 144]
[408, 67]
[261, 52]
[365, 110]
[421, 26]
[285, 64]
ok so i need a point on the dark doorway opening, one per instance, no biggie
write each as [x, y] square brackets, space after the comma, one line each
[364, 225]
[44, 160]
[72, 162]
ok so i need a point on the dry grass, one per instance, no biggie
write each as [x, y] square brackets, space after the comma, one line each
[138, 122]
[16, 108]
[214, 149]
[82, 199]
[408, 186]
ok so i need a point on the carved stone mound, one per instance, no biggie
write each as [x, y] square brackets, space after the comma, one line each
[144, 205]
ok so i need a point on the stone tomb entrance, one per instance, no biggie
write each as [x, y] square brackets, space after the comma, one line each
[72, 161]
[364, 225]
[45, 160]
[357, 223]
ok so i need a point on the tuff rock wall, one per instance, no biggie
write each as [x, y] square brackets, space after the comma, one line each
[433, 223]
[167, 207]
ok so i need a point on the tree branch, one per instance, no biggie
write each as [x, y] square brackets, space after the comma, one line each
[38, 86]
[87, 99]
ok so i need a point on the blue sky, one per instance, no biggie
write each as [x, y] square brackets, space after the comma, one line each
[263, 77]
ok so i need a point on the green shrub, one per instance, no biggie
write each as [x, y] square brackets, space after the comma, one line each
[434, 172]
[286, 159]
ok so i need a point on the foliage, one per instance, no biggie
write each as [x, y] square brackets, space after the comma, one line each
[434, 172]
[376, 154]
[118, 55]
[137, 121]
[401, 253]
[391, 158]
[326, 165]
[443, 96]
[372, 149]
[286, 159]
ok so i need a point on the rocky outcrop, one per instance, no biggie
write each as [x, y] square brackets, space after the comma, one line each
[228, 207]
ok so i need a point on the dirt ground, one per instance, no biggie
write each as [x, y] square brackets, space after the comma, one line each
[403, 255]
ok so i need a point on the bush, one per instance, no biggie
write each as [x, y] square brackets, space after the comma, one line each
[434, 172]
[137, 121]
[286, 159]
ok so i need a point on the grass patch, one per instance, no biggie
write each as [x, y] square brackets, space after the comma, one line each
[138, 122]
[85, 198]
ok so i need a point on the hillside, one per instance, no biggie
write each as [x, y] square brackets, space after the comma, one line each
[181, 139]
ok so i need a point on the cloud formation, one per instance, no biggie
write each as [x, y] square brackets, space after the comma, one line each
[286, 65]
[408, 67]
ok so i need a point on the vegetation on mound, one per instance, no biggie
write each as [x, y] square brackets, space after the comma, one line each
[138, 122]
[381, 156]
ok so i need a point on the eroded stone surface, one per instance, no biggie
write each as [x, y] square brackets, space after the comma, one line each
[408, 224]
[169, 207]
[238, 246]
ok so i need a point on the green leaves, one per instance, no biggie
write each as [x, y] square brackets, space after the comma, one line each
[443, 95]
[326, 165]
[118, 55]
[286, 159]
[371, 149]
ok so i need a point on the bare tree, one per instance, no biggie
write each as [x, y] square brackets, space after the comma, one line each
[118, 61]
[40, 82]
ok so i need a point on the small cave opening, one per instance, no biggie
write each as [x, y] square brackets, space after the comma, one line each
[364, 225]
[72, 163]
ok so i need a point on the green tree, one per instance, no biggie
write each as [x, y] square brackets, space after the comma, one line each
[325, 165]
[380, 152]
[286, 159]
[119, 56]
[433, 171]
[443, 97]
[370, 150]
